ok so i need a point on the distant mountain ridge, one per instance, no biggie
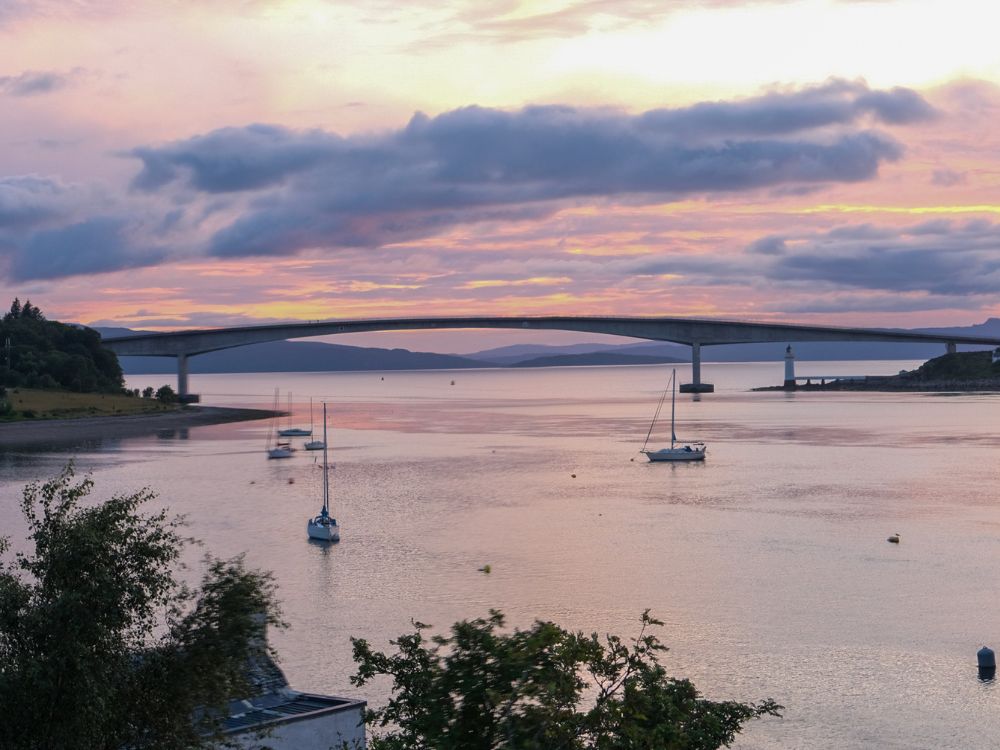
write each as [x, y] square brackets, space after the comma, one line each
[313, 356]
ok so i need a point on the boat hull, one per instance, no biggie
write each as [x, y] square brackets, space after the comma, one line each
[295, 432]
[676, 454]
[279, 453]
[314, 445]
[326, 532]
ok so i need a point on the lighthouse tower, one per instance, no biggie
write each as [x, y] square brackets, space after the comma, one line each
[789, 368]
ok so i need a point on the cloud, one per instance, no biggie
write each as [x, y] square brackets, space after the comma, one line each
[314, 189]
[947, 177]
[235, 159]
[35, 82]
[30, 200]
[938, 258]
[771, 245]
[836, 102]
[93, 246]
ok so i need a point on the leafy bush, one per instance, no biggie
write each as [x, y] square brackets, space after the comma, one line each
[540, 689]
[40, 353]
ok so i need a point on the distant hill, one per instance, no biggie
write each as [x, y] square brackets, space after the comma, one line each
[300, 356]
[313, 356]
[510, 355]
[594, 359]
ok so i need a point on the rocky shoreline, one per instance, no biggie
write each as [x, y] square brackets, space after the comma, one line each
[893, 383]
[57, 432]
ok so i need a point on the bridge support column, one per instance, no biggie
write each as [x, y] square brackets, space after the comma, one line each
[951, 347]
[182, 382]
[696, 386]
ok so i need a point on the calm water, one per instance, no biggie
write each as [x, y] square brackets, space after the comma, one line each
[768, 564]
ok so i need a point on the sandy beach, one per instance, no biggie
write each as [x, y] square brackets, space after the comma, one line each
[61, 431]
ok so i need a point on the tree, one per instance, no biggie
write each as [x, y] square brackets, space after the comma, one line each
[481, 689]
[147, 392]
[165, 395]
[42, 353]
[101, 646]
[15, 311]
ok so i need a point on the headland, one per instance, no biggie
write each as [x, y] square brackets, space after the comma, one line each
[31, 432]
[957, 372]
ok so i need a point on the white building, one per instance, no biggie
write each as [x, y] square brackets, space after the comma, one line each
[286, 719]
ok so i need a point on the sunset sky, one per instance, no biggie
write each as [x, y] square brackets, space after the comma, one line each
[179, 164]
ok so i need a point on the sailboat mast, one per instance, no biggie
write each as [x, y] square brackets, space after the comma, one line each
[673, 406]
[326, 470]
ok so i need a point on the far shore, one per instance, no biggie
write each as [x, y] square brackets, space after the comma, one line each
[61, 431]
[893, 384]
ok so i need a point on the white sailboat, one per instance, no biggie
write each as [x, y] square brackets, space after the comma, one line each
[294, 431]
[677, 451]
[324, 526]
[313, 445]
[276, 448]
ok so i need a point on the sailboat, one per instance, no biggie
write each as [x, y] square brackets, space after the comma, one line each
[677, 451]
[294, 431]
[313, 445]
[276, 448]
[324, 526]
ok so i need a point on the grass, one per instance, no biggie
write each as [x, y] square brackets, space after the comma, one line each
[29, 403]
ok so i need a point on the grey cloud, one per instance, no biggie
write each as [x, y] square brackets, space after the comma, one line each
[31, 83]
[316, 189]
[860, 232]
[771, 245]
[30, 200]
[235, 159]
[956, 260]
[884, 302]
[836, 102]
[97, 245]
[950, 260]
[947, 177]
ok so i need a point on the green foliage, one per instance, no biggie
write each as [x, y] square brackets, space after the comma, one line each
[47, 354]
[540, 689]
[165, 395]
[958, 366]
[100, 645]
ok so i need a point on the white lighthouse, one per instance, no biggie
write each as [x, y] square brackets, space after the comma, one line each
[789, 367]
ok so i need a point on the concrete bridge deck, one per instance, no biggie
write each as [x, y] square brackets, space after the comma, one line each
[693, 332]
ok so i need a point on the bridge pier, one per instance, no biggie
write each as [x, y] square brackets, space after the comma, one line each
[696, 386]
[951, 347]
[182, 382]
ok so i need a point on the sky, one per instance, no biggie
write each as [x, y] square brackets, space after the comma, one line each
[177, 164]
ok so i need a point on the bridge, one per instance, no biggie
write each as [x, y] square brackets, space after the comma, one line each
[693, 332]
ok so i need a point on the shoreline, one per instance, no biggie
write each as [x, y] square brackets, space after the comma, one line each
[82, 429]
[890, 384]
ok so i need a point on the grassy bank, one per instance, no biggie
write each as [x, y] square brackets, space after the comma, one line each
[30, 404]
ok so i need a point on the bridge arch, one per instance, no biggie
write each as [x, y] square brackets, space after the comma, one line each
[694, 332]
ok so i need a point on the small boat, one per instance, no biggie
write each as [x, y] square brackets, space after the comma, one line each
[678, 451]
[277, 448]
[313, 445]
[324, 526]
[296, 431]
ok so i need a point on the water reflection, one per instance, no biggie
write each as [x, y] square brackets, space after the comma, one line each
[768, 561]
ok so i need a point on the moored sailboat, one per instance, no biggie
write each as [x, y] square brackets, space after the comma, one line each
[678, 451]
[313, 445]
[296, 431]
[324, 526]
[276, 448]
